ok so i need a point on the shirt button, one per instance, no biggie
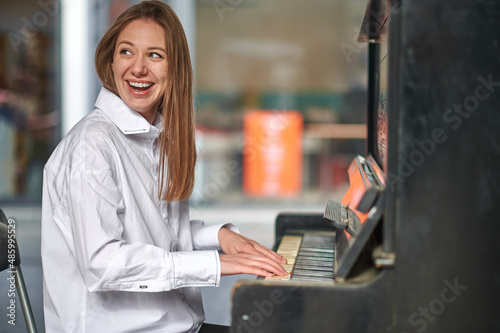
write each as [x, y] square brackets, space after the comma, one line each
[164, 215]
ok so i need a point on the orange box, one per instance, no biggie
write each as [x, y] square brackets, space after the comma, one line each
[272, 153]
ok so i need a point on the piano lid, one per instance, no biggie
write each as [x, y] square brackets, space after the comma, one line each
[375, 21]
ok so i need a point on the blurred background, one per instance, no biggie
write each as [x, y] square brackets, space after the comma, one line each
[280, 98]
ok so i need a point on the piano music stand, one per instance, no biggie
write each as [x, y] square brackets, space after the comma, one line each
[352, 253]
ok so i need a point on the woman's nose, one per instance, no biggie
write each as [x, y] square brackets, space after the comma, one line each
[139, 67]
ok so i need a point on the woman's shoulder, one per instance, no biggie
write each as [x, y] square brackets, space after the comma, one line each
[94, 126]
[93, 138]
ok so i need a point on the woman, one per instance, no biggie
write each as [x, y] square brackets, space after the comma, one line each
[118, 249]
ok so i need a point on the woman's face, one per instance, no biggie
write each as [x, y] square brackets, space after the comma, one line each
[140, 66]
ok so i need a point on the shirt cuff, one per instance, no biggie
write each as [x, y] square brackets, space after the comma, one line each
[205, 237]
[204, 271]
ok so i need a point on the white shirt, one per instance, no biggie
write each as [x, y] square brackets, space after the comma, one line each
[115, 258]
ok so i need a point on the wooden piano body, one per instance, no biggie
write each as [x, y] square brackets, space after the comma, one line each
[438, 243]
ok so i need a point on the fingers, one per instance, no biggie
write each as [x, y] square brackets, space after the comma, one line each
[275, 266]
[270, 254]
[252, 247]
[250, 264]
[233, 243]
[256, 248]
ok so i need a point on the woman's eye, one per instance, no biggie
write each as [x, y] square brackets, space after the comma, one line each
[125, 52]
[155, 55]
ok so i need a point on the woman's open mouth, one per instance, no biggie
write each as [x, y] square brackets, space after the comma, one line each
[139, 87]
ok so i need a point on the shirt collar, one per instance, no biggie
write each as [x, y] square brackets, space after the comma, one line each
[126, 119]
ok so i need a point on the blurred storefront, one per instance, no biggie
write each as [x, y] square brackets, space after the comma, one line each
[47, 82]
[281, 55]
[29, 97]
[247, 54]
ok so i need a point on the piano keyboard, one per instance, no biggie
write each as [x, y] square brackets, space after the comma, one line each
[310, 257]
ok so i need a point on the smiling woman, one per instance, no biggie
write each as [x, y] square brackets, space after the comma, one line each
[115, 213]
[167, 36]
[140, 67]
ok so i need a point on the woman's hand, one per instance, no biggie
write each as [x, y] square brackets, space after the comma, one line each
[244, 263]
[246, 256]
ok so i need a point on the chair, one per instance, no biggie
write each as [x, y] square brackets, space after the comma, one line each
[10, 259]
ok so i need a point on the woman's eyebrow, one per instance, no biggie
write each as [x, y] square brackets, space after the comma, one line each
[149, 48]
[157, 48]
[126, 42]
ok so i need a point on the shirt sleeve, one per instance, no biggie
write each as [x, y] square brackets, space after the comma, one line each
[206, 236]
[107, 262]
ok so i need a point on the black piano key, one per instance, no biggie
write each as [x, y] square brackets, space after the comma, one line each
[324, 264]
[308, 272]
[314, 268]
[316, 250]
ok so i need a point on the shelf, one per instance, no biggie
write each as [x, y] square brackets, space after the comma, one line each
[335, 131]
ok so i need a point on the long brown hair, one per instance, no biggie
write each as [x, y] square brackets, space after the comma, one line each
[177, 141]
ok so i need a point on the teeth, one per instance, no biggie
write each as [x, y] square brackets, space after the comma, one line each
[140, 85]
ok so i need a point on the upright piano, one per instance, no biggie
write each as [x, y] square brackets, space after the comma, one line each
[414, 245]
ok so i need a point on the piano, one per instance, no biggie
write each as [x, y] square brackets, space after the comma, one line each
[413, 246]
